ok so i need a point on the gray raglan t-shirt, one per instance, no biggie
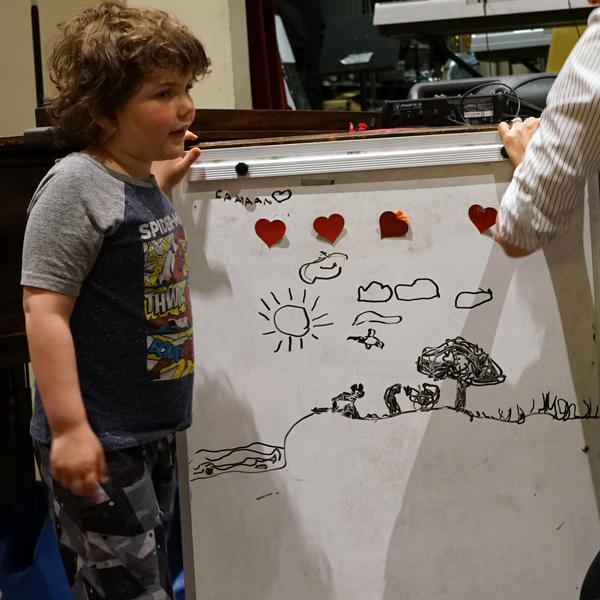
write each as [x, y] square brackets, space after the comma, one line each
[118, 245]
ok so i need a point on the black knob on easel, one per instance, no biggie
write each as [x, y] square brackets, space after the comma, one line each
[241, 168]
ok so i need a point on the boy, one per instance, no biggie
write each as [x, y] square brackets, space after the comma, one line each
[106, 298]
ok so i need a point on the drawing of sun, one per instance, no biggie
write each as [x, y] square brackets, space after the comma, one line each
[292, 319]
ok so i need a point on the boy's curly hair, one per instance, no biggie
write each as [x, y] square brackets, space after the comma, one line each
[101, 58]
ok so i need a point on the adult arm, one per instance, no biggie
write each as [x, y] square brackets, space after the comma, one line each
[515, 137]
[561, 155]
[76, 455]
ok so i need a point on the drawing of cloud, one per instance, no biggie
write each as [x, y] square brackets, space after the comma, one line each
[374, 292]
[420, 289]
[370, 316]
[473, 299]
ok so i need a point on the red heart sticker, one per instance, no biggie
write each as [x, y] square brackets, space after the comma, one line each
[270, 232]
[392, 225]
[329, 227]
[482, 218]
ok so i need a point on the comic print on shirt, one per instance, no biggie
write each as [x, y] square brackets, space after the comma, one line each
[169, 341]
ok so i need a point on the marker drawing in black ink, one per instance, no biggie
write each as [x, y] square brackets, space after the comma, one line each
[456, 359]
[267, 495]
[473, 299]
[423, 397]
[292, 320]
[253, 458]
[422, 288]
[391, 399]
[326, 266]
[278, 196]
[375, 292]
[368, 340]
[281, 195]
[246, 459]
[557, 408]
[462, 361]
[345, 403]
[259, 458]
[426, 397]
[370, 316]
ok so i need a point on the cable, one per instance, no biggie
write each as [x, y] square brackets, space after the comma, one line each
[520, 102]
[535, 107]
[482, 85]
[532, 79]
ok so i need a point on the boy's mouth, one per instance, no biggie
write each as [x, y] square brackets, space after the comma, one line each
[179, 131]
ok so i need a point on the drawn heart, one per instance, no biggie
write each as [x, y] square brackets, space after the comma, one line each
[391, 225]
[270, 232]
[482, 218]
[329, 227]
[281, 195]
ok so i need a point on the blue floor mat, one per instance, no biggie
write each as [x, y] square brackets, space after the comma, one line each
[30, 564]
[45, 578]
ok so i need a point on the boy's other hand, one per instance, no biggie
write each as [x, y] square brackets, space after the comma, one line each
[77, 461]
[169, 173]
[516, 135]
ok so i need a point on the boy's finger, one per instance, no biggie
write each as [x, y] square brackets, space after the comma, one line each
[62, 476]
[190, 135]
[90, 486]
[63, 481]
[78, 486]
[188, 159]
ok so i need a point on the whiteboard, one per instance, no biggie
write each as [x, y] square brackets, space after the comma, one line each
[408, 417]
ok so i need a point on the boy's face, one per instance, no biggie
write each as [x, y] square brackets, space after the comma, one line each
[151, 125]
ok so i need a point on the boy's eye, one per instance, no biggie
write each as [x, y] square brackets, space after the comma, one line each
[164, 94]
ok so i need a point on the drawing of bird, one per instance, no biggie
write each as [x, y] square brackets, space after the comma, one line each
[368, 340]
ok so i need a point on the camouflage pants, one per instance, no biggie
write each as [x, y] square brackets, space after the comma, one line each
[116, 548]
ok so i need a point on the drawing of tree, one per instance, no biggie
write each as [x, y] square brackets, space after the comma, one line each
[462, 361]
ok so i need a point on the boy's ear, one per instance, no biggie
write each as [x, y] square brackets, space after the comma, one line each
[98, 117]
[106, 124]
[103, 121]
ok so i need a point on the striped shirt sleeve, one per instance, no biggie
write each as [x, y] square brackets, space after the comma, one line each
[562, 153]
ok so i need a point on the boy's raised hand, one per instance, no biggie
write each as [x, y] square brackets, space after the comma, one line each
[77, 461]
[169, 173]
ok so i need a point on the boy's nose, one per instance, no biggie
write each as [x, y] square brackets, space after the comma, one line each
[186, 106]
